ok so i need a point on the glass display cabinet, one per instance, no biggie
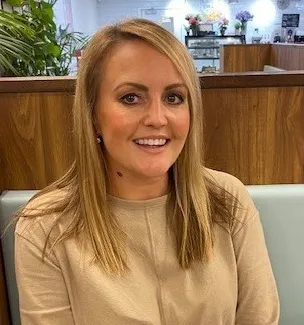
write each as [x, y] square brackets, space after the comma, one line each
[205, 50]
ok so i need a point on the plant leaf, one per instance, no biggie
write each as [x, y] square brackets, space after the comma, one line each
[15, 3]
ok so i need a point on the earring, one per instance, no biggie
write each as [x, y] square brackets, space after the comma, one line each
[98, 139]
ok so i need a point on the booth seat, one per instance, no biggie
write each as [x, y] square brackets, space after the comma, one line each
[282, 214]
[271, 69]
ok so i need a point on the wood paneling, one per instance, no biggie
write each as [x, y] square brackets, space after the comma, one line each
[256, 134]
[244, 58]
[253, 57]
[253, 131]
[35, 138]
[287, 56]
[252, 80]
[37, 84]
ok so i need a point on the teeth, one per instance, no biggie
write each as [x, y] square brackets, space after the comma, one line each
[150, 142]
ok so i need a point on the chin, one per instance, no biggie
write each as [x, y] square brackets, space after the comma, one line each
[155, 172]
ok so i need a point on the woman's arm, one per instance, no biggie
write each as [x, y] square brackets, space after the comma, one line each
[258, 301]
[43, 296]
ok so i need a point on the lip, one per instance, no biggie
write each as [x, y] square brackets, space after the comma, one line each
[153, 137]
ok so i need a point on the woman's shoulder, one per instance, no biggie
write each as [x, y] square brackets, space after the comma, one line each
[238, 198]
[40, 214]
[227, 181]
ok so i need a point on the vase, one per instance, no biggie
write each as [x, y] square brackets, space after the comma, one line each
[194, 30]
[244, 28]
[223, 31]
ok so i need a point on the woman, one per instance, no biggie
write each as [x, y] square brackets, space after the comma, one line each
[138, 231]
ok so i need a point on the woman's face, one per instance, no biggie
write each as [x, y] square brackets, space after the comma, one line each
[142, 113]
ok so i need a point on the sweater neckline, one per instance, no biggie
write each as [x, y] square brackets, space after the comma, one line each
[137, 204]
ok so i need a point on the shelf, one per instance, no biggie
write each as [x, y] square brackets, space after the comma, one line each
[206, 58]
[204, 47]
[214, 36]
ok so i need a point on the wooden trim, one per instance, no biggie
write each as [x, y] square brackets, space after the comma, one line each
[37, 84]
[292, 45]
[224, 80]
[253, 80]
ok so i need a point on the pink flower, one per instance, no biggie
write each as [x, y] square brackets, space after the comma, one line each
[193, 21]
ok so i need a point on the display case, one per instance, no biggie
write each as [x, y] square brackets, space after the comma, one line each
[206, 49]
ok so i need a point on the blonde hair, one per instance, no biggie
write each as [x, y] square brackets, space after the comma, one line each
[194, 202]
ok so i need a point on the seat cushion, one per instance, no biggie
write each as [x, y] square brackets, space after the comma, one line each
[10, 202]
[282, 214]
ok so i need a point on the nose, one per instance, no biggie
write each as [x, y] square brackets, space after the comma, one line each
[156, 114]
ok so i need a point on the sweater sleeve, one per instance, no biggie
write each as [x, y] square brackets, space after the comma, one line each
[258, 302]
[43, 296]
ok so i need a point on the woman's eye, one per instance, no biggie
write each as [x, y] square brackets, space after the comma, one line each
[174, 99]
[130, 99]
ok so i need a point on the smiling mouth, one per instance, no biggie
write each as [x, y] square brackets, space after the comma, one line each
[149, 143]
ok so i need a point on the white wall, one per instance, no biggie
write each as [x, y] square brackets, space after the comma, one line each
[90, 15]
[267, 16]
[81, 16]
[111, 11]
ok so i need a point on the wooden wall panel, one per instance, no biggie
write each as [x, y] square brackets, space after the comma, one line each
[35, 138]
[253, 131]
[253, 57]
[244, 58]
[256, 134]
[287, 56]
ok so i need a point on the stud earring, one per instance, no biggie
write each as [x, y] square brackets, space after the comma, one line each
[98, 139]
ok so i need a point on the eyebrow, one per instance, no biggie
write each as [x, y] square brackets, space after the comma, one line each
[145, 88]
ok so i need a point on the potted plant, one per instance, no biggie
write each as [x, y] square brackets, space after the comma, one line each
[237, 28]
[51, 49]
[14, 32]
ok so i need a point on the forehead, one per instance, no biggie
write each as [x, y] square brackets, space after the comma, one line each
[139, 60]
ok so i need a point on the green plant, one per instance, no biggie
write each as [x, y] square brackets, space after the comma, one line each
[13, 31]
[51, 50]
[69, 43]
[237, 25]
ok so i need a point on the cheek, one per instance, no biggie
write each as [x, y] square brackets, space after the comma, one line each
[182, 125]
[115, 127]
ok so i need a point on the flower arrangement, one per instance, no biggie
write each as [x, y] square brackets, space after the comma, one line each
[223, 24]
[193, 21]
[244, 16]
[213, 16]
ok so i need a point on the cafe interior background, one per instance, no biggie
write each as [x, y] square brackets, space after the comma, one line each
[265, 25]
[253, 121]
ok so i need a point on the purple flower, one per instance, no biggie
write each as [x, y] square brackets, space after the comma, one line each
[244, 16]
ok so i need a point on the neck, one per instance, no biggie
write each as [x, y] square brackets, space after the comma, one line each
[137, 189]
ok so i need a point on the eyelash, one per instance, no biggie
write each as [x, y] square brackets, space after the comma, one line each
[179, 96]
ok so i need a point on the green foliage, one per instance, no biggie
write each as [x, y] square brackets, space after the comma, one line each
[50, 51]
[13, 32]
[69, 44]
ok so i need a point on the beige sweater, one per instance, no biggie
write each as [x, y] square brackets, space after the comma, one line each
[236, 287]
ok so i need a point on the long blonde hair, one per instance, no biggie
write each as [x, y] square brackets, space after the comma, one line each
[194, 202]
